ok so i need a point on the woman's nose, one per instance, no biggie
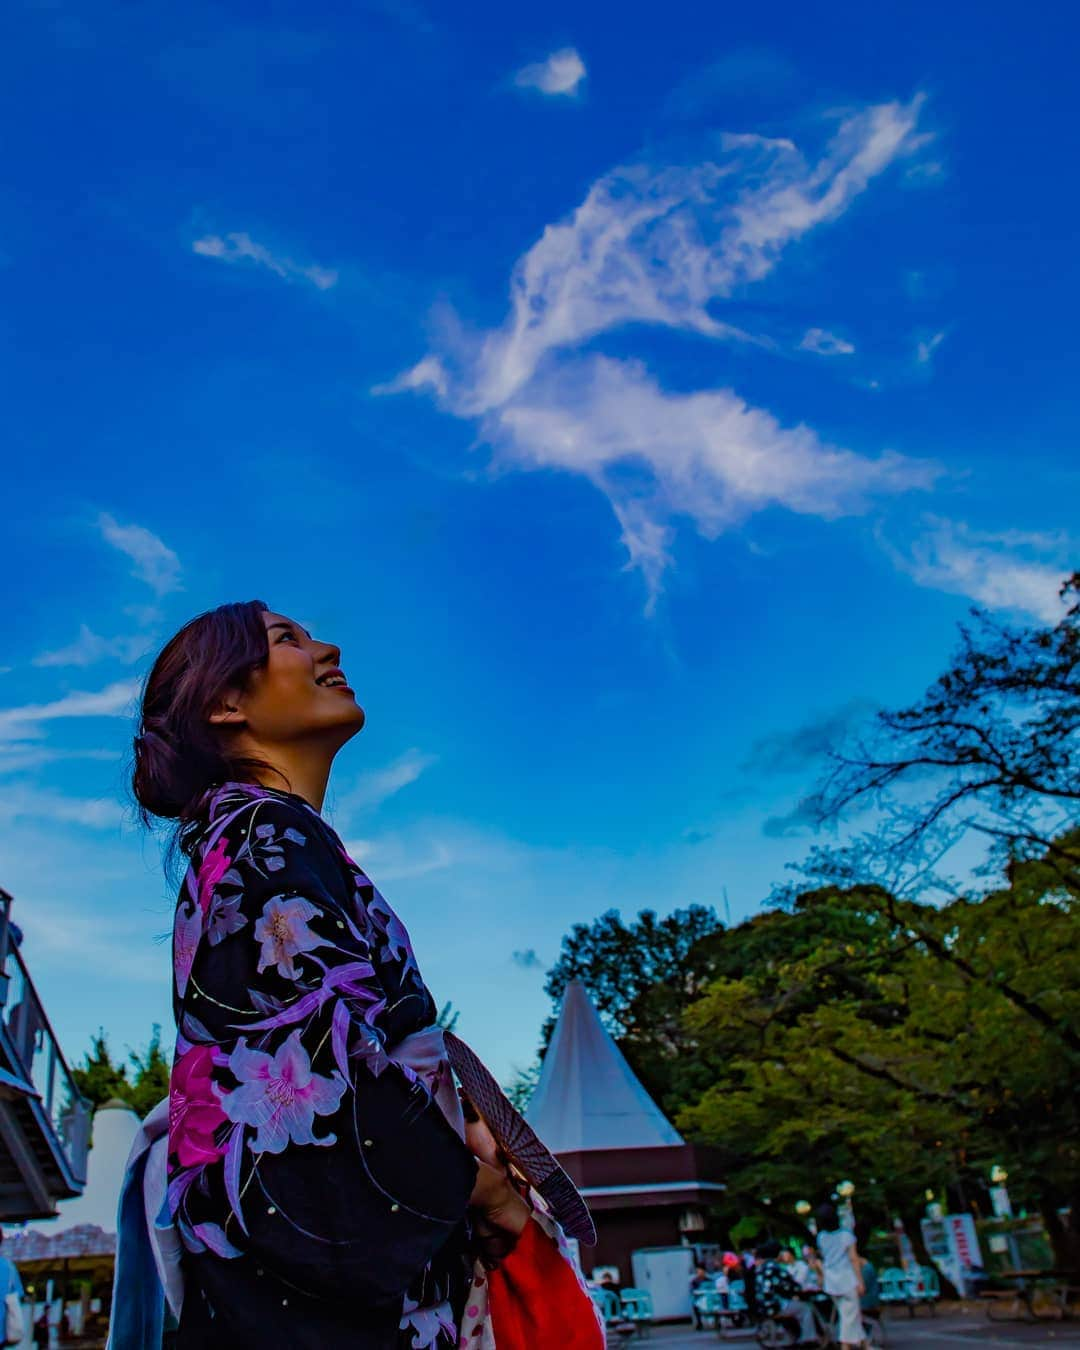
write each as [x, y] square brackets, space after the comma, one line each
[329, 654]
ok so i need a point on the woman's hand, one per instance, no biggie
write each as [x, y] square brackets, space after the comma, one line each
[479, 1138]
[500, 1203]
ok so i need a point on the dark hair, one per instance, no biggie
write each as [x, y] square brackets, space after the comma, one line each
[179, 754]
[827, 1217]
[769, 1251]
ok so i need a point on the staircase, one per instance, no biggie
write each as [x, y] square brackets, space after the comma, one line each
[44, 1119]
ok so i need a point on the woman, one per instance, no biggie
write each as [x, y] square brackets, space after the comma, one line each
[842, 1278]
[322, 1192]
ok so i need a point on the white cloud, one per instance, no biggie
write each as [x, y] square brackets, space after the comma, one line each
[925, 349]
[116, 700]
[240, 247]
[430, 373]
[666, 246]
[19, 802]
[155, 563]
[708, 456]
[90, 647]
[663, 245]
[372, 789]
[559, 74]
[81, 941]
[21, 756]
[1005, 570]
[824, 343]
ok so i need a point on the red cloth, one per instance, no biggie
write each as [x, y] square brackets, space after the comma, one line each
[536, 1302]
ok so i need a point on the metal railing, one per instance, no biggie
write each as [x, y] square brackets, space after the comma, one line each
[37, 1052]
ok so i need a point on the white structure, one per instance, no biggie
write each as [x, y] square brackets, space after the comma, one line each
[646, 1186]
[114, 1129]
[588, 1097]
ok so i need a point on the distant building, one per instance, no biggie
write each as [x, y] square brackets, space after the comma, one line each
[645, 1185]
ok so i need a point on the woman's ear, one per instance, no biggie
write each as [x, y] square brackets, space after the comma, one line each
[228, 711]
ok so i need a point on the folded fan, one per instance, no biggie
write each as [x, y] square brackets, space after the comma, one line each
[520, 1143]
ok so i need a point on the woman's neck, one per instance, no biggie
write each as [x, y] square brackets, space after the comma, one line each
[306, 774]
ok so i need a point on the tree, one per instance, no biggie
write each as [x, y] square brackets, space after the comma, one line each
[150, 1075]
[641, 976]
[100, 1079]
[905, 1043]
[992, 746]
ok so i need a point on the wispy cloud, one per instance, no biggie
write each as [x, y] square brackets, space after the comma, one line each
[667, 245]
[21, 802]
[77, 940]
[239, 247]
[154, 562]
[116, 700]
[561, 73]
[372, 789]
[804, 816]
[90, 647]
[926, 347]
[1008, 569]
[796, 749]
[824, 343]
[18, 757]
[527, 959]
[711, 457]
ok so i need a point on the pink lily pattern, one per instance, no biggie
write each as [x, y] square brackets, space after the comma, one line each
[280, 1095]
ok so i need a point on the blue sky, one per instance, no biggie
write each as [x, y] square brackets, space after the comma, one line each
[628, 392]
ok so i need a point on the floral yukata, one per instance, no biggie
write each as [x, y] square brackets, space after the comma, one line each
[319, 1191]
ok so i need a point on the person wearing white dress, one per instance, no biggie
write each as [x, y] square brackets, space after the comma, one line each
[842, 1273]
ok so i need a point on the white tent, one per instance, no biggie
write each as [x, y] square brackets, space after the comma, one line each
[588, 1097]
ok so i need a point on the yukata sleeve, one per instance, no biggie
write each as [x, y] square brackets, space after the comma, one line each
[338, 1170]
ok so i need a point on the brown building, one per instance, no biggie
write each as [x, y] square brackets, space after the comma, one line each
[646, 1186]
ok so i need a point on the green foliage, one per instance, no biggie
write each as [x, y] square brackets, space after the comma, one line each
[141, 1083]
[98, 1078]
[522, 1086]
[642, 976]
[854, 1029]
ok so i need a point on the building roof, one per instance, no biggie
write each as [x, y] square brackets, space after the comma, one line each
[588, 1097]
[86, 1239]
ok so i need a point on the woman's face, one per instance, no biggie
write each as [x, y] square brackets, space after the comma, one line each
[300, 693]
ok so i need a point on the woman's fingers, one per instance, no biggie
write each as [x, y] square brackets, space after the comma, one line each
[481, 1141]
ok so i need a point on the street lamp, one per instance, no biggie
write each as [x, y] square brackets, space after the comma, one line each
[845, 1190]
[803, 1209]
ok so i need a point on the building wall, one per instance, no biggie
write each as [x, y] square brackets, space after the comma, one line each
[622, 1231]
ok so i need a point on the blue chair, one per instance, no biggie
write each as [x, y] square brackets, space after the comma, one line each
[926, 1287]
[637, 1307]
[894, 1285]
[709, 1305]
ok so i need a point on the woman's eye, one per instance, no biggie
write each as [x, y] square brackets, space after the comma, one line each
[287, 634]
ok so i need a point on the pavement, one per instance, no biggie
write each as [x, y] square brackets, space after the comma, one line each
[951, 1331]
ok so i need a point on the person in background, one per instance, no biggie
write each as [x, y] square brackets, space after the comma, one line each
[749, 1279]
[699, 1282]
[796, 1266]
[10, 1280]
[608, 1280]
[870, 1301]
[814, 1272]
[777, 1292]
[843, 1273]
